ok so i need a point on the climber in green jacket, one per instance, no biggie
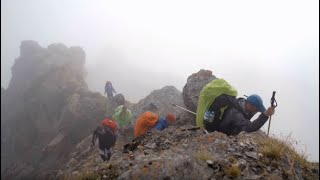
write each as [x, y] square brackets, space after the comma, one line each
[123, 117]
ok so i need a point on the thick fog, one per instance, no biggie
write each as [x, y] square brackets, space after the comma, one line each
[258, 46]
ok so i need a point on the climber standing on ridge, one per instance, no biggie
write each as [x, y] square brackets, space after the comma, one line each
[107, 138]
[149, 121]
[123, 117]
[108, 88]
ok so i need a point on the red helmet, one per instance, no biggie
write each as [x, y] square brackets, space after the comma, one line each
[171, 117]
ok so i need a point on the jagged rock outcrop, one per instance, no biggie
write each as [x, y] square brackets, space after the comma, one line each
[187, 152]
[159, 101]
[191, 92]
[193, 87]
[47, 108]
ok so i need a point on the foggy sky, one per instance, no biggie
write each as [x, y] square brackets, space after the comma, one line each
[258, 46]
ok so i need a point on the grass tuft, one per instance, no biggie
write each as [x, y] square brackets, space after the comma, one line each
[275, 148]
[232, 171]
[203, 154]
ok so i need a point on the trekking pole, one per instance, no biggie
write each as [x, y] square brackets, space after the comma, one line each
[191, 113]
[273, 100]
[184, 109]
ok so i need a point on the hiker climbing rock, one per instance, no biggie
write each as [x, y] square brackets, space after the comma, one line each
[108, 88]
[123, 117]
[107, 138]
[151, 121]
[219, 109]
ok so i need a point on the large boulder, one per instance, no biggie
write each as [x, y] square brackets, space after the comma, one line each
[191, 92]
[159, 101]
[193, 87]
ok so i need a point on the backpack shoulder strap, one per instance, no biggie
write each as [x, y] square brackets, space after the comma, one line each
[237, 106]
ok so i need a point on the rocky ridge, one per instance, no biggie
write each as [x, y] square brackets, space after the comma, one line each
[188, 152]
[53, 113]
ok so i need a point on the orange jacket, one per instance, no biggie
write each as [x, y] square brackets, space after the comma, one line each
[145, 122]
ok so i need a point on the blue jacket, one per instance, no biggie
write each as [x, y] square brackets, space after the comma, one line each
[161, 124]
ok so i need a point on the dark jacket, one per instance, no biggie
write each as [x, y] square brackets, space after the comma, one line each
[236, 119]
[107, 138]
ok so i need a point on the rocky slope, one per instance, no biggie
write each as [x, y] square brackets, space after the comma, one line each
[187, 152]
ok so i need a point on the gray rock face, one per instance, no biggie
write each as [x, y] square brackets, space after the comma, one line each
[191, 92]
[193, 87]
[49, 106]
[159, 101]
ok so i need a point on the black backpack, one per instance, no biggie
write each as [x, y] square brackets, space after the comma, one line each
[107, 137]
[221, 101]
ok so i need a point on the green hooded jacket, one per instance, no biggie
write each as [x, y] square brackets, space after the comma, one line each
[123, 119]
